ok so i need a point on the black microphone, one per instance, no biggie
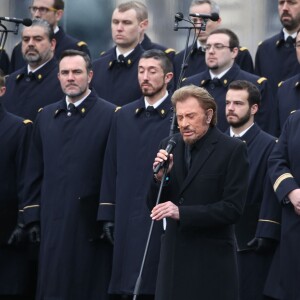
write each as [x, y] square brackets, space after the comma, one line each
[214, 16]
[26, 22]
[170, 146]
[178, 17]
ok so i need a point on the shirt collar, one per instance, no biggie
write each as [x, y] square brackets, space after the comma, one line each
[157, 103]
[232, 134]
[77, 103]
[124, 54]
[286, 35]
[219, 75]
[39, 67]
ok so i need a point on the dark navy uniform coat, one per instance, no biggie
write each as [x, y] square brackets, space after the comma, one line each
[276, 60]
[25, 94]
[14, 140]
[219, 89]
[196, 63]
[132, 146]
[288, 99]
[147, 44]
[198, 257]
[117, 82]
[62, 191]
[63, 42]
[284, 171]
[253, 267]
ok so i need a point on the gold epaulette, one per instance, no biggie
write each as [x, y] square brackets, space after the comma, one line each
[81, 43]
[261, 80]
[169, 50]
[27, 121]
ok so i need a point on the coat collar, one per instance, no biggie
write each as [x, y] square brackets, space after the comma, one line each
[82, 109]
[40, 74]
[163, 109]
[225, 80]
[206, 150]
[129, 60]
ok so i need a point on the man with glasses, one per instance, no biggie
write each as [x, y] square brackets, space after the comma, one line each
[221, 50]
[196, 61]
[275, 57]
[52, 11]
[289, 89]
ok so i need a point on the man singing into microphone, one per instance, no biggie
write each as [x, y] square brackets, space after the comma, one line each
[202, 199]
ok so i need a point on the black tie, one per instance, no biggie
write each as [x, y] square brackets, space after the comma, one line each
[289, 42]
[149, 110]
[71, 109]
[215, 83]
[30, 76]
[121, 59]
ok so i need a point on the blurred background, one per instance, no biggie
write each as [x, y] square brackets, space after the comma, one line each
[89, 20]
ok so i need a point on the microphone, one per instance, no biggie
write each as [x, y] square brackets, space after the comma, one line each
[26, 22]
[178, 17]
[214, 16]
[170, 146]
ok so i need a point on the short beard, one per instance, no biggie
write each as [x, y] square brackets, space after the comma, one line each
[154, 92]
[242, 121]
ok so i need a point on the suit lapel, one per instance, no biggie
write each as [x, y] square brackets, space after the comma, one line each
[206, 150]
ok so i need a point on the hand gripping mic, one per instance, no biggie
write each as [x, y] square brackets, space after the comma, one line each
[170, 146]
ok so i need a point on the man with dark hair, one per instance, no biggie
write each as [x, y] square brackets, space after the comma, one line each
[115, 70]
[15, 277]
[201, 200]
[196, 61]
[52, 11]
[35, 85]
[221, 50]
[132, 143]
[258, 229]
[62, 187]
[275, 57]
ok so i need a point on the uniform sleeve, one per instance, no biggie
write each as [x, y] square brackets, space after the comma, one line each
[279, 167]
[106, 210]
[33, 177]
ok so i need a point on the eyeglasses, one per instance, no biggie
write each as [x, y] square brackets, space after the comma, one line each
[43, 10]
[217, 46]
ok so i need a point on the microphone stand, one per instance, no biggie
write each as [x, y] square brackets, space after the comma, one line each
[3, 35]
[185, 59]
[139, 279]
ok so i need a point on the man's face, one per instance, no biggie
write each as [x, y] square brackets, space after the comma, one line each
[193, 121]
[210, 25]
[36, 46]
[125, 28]
[238, 111]
[50, 15]
[151, 77]
[219, 59]
[73, 76]
[289, 13]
